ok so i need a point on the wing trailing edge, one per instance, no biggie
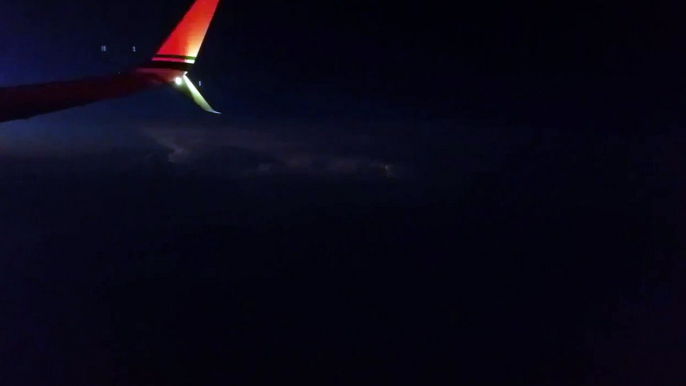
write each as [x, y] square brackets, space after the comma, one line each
[189, 89]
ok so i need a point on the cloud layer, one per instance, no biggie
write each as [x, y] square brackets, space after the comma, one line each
[248, 150]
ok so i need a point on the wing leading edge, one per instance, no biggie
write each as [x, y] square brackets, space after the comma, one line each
[169, 66]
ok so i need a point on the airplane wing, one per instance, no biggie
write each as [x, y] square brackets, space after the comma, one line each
[169, 66]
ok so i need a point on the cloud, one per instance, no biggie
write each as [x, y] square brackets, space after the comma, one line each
[243, 149]
[252, 150]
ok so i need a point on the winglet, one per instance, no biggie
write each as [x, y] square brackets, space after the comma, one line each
[183, 45]
[178, 53]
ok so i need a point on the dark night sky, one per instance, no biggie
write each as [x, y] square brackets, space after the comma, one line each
[443, 192]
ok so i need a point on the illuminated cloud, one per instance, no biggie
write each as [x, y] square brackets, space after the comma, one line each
[249, 151]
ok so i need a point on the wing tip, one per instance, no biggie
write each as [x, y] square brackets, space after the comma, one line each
[184, 43]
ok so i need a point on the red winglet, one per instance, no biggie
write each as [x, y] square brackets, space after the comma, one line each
[184, 42]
